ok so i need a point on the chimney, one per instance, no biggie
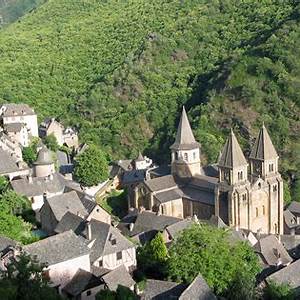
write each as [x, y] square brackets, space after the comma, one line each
[89, 231]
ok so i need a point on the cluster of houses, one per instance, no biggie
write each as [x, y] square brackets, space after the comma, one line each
[85, 252]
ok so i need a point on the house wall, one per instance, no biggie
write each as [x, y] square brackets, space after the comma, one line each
[62, 273]
[110, 261]
[44, 170]
[29, 121]
[21, 137]
[93, 291]
[172, 208]
[12, 147]
[57, 130]
[100, 214]
[71, 140]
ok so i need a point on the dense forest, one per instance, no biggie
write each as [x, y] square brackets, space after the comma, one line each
[121, 70]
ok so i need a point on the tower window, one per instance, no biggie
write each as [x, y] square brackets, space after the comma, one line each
[259, 185]
[264, 210]
[176, 155]
[185, 156]
[194, 155]
[256, 211]
[275, 188]
[271, 167]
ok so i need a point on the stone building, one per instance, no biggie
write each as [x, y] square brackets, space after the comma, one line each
[247, 199]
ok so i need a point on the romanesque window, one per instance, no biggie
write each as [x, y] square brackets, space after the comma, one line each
[119, 255]
[244, 197]
[176, 155]
[259, 185]
[194, 155]
[264, 210]
[185, 156]
[256, 211]
[275, 188]
[271, 167]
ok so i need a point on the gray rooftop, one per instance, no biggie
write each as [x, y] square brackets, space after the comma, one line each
[8, 164]
[198, 290]
[6, 242]
[133, 176]
[290, 220]
[294, 207]
[38, 186]
[272, 251]
[168, 195]
[12, 109]
[162, 290]
[118, 276]
[178, 227]
[80, 282]
[69, 222]
[67, 202]
[13, 127]
[185, 139]
[44, 157]
[58, 248]
[232, 155]
[161, 183]
[263, 148]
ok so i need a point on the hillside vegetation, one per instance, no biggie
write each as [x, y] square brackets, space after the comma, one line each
[121, 70]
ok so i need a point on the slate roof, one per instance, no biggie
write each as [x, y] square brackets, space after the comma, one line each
[287, 275]
[198, 290]
[232, 155]
[6, 242]
[133, 176]
[162, 290]
[272, 251]
[185, 139]
[203, 181]
[290, 220]
[38, 186]
[199, 195]
[80, 282]
[176, 228]
[103, 233]
[169, 195]
[7, 163]
[70, 222]
[67, 202]
[13, 127]
[140, 157]
[44, 157]
[294, 207]
[263, 148]
[58, 248]
[161, 183]
[12, 109]
[160, 171]
[118, 276]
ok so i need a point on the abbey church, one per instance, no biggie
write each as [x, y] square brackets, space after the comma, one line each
[246, 194]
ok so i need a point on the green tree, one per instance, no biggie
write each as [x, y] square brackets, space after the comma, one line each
[286, 193]
[91, 167]
[51, 142]
[207, 250]
[122, 293]
[3, 184]
[30, 153]
[24, 280]
[274, 291]
[152, 257]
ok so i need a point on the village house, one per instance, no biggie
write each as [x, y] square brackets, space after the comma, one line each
[64, 254]
[248, 201]
[11, 146]
[64, 136]
[11, 113]
[18, 133]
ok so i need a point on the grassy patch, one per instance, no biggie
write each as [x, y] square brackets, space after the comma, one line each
[115, 203]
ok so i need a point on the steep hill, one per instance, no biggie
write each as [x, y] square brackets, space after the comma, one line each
[121, 70]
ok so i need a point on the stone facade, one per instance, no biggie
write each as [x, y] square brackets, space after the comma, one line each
[243, 199]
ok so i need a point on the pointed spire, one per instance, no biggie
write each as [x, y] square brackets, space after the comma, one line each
[185, 139]
[232, 155]
[140, 157]
[263, 148]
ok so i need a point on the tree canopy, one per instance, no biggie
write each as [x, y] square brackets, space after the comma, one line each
[207, 250]
[91, 166]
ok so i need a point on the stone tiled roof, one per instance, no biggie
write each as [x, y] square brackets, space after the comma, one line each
[232, 155]
[44, 157]
[161, 183]
[169, 195]
[6, 242]
[263, 148]
[133, 176]
[204, 182]
[198, 290]
[67, 202]
[12, 109]
[294, 207]
[290, 220]
[70, 222]
[185, 139]
[272, 251]
[118, 276]
[58, 248]
[176, 228]
[7, 163]
[162, 290]
[199, 195]
[13, 127]
[38, 186]
[82, 281]
[287, 275]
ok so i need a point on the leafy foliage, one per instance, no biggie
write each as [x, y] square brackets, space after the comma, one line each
[30, 153]
[91, 166]
[24, 280]
[122, 293]
[206, 250]
[275, 291]
[51, 142]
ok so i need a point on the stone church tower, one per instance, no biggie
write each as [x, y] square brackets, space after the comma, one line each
[185, 151]
[250, 201]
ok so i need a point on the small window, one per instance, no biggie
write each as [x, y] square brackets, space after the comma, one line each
[185, 156]
[119, 255]
[113, 242]
[176, 155]
[271, 167]
[89, 293]
[264, 210]
[256, 210]
[275, 188]
[100, 263]
[259, 185]
[194, 155]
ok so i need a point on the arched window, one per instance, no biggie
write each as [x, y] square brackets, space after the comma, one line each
[176, 155]
[259, 185]
[271, 167]
[264, 210]
[256, 211]
[275, 188]
[185, 156]
[194, 155]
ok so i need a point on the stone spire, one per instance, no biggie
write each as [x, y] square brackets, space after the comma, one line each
[140, 157]
[232, 155]
[185, 139]
[263, 148]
